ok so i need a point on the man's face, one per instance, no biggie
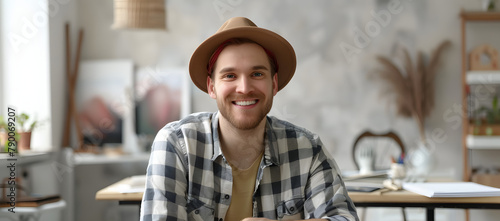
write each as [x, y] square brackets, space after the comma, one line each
[243, 85]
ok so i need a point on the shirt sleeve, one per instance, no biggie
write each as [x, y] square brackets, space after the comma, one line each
[326, 195]
[165, 191]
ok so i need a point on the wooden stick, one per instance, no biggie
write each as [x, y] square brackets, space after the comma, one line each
[72, 94]
[69, 111]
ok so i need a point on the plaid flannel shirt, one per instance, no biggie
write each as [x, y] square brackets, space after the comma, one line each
[188, 178]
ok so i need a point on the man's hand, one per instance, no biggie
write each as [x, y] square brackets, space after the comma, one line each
[256, 219]
[265, 219]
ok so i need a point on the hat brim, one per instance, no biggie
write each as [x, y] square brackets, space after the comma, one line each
[283, 51]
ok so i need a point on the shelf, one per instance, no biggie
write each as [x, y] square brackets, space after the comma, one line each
[26, 157]
[483, 142]
[92, 159]
[474, 78]
[483, 77]
[481, 16]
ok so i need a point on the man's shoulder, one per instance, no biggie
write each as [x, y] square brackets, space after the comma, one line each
[196, 119]
[286, 127]
[200, 122]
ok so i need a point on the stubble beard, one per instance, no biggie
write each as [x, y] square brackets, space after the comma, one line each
[244, 124]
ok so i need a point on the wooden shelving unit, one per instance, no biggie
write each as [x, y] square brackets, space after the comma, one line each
[480, 16]
[471, 142]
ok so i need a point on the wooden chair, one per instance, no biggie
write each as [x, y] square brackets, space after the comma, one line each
[386, 145]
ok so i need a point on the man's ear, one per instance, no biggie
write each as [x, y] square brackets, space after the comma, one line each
[275, 84]
[210, 88]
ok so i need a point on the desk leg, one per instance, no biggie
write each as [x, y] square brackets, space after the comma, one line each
[430, 214]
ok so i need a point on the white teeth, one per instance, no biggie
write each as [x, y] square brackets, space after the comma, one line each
[245, 103]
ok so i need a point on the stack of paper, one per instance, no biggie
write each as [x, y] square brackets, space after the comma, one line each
[354, 175]
[452, 189]
[136, 184]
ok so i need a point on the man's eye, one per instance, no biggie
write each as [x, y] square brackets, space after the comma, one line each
[257, 74]
[229, 76]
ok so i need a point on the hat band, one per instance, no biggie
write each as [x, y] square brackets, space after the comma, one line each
[223, 45]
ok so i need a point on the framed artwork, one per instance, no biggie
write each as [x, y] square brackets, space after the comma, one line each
[119, 105]
[103, 100]
[161, 96]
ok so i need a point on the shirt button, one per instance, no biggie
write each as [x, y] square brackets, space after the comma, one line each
[226, 196]
[196, 211]
[292, 209]
[220, 219]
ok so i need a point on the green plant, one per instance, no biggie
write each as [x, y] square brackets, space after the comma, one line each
[23, 120]
[4, 135]
[492, 114]
[491, 6]
[23, 123]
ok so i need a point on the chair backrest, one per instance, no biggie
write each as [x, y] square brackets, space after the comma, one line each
[389, 135]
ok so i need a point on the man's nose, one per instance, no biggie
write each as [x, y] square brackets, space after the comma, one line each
[244, 85]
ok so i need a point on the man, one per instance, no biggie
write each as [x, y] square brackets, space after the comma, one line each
[238, 163]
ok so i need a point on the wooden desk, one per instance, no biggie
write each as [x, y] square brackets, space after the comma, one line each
[400, 198]
[405, 198]
[115, 192]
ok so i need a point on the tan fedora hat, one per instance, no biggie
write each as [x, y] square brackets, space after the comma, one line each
[240, 27]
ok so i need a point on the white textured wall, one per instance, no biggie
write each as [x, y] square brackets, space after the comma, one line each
[331, 94]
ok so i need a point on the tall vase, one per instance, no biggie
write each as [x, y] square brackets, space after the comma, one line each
[421, 161]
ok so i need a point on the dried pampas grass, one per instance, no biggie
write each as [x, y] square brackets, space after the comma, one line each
[413, 85]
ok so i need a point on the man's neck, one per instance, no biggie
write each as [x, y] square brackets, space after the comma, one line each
[241, 147]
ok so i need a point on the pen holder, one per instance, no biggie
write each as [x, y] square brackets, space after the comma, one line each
[398, 171]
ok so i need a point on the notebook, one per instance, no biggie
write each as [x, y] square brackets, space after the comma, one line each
[452, 189]
[30, 201]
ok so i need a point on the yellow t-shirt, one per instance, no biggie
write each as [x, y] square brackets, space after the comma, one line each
[241, 205]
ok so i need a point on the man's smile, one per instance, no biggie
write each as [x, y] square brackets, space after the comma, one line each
[245, 103]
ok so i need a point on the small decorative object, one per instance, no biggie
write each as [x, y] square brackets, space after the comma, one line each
[397, 171]
[488, 5]
[366, 158]
[414, 86]
[487, 119]
[23, 132]
[421, 162]
[146, 14]
[3, 135]
[484, 57]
